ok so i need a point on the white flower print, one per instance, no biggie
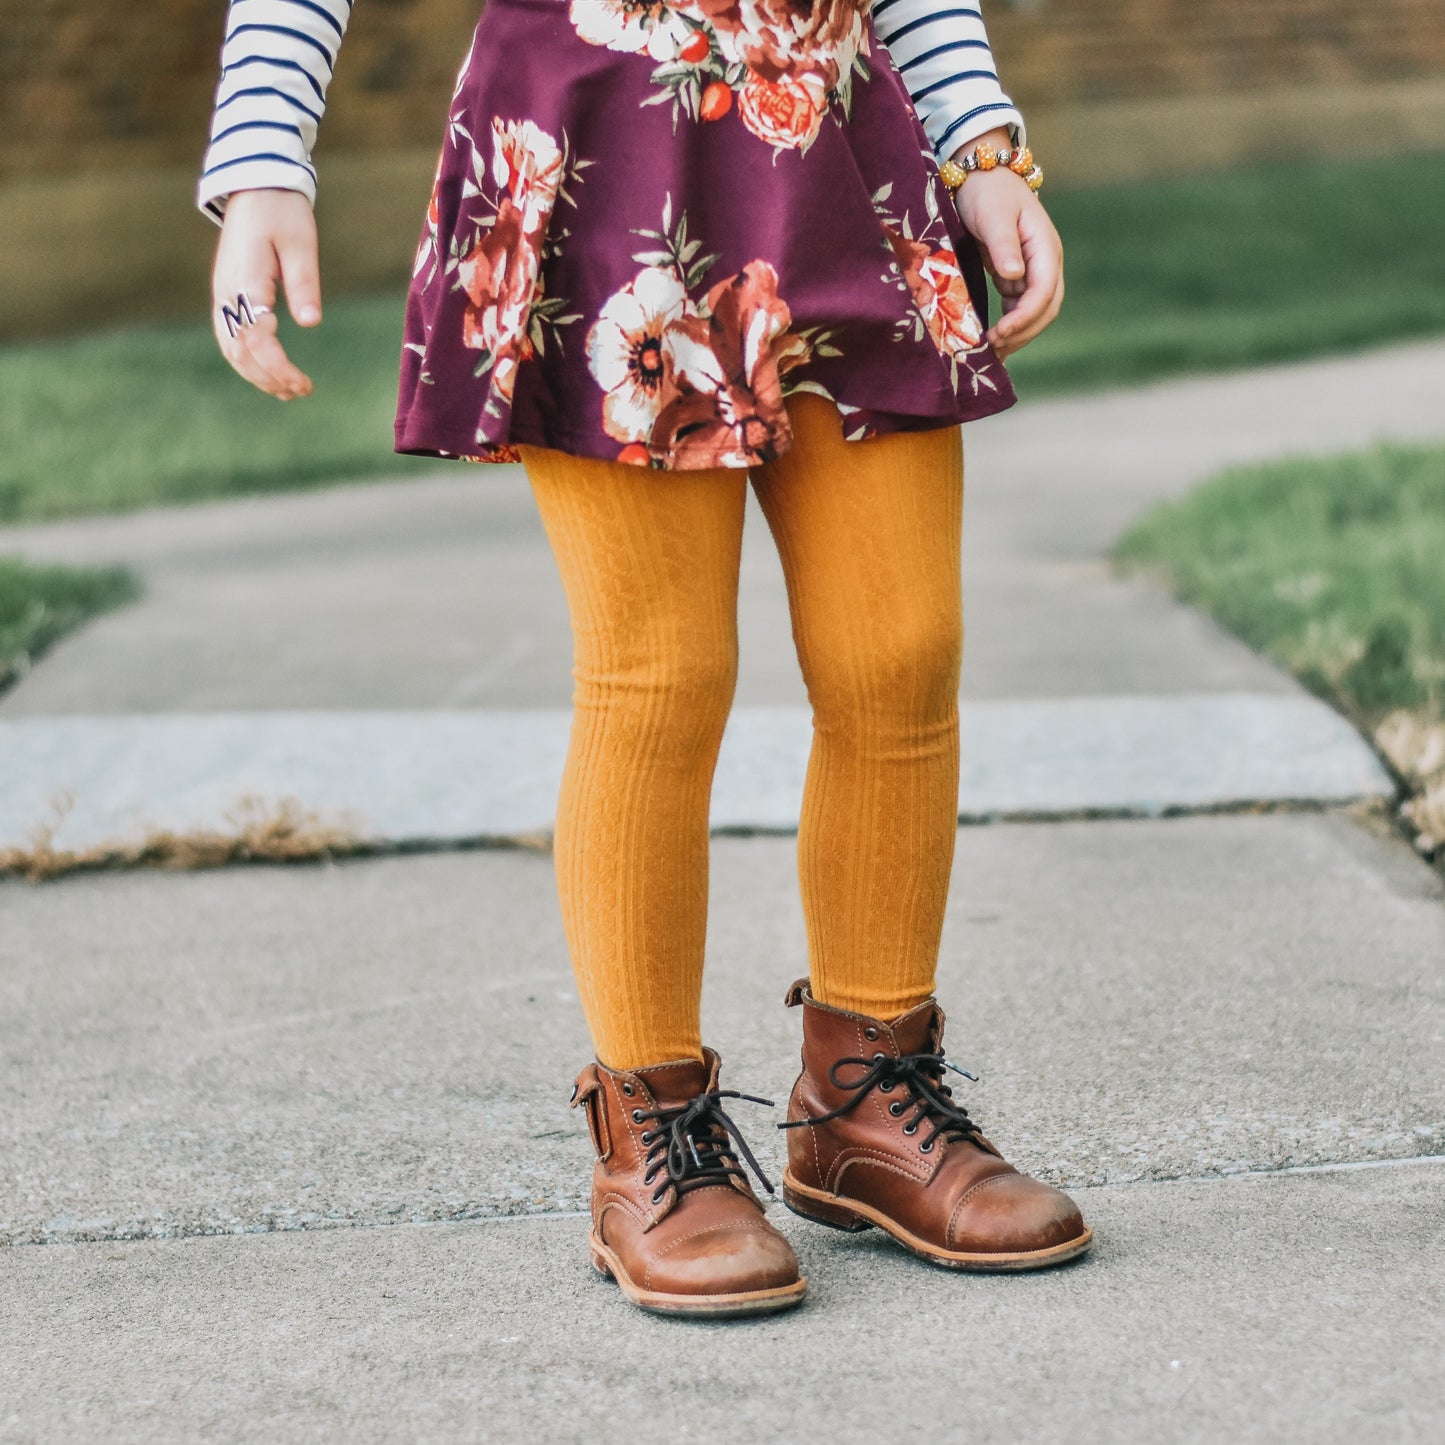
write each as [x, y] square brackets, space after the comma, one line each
[634, 26]
[625, 350]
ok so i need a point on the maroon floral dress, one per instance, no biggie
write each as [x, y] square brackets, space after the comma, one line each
[655, 219]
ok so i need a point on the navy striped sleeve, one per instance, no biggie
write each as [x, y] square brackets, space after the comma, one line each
[276, 62]
[942, 52]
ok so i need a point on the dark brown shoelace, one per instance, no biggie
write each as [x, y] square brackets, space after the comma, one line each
[921, 1076]
[697, 1143]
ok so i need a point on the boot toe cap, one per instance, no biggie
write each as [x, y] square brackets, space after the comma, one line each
[1013, 1214]
[724, 1259]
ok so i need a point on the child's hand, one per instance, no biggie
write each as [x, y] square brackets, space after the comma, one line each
[1021, 250]
[267, 235]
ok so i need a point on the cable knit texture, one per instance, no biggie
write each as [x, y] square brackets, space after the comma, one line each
[869, 535]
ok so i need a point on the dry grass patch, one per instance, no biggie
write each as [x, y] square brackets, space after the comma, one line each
[1416, 747]
[256, 830]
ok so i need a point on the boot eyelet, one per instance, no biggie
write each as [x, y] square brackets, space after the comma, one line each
[910, 1128]
[876, 1057]
[926, 1147]
[657, 1198]
[628, 1090]
[870, 1033]
[896, 1108]
[637, 1116]
[886, 1088]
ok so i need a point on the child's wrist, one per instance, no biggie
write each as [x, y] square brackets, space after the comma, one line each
[1000, 137]
[984, 153]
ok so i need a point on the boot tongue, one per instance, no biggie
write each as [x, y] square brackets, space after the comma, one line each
[680, 1082]
[914, 1032]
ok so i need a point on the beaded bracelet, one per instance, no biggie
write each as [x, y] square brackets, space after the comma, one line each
[984, 157]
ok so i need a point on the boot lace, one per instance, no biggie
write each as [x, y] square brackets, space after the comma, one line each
[696, 1144]
[920, 1077]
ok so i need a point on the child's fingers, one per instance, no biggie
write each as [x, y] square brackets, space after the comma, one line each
[1024, 315]
[1016, 327]
[301, 272]
[237, 348]
[1029, 311]
[998, 236]
[265, 349]
[249, 260]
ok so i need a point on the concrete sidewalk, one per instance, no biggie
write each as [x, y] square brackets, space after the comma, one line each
[394, 1040]
[287, 1153]
[408, 779]
[1302, 1308]
[1082, 692]
[292, 1155]
[441, 593]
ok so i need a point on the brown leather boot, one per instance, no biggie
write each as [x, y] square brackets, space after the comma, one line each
[877, 1138]
[674, 1219]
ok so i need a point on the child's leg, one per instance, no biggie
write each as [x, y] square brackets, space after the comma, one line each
[649, 563]
[870, 536]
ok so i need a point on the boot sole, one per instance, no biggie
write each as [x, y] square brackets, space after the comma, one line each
[853, 1216]
[699, 1306]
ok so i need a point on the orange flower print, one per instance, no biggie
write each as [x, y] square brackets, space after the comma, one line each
[499, 273]
[815, 41]
[527, 164]
[717, 100]
[791, 352]
[500, 452]
[786, 113]
[948, 311]
[693, 383]
[724, 398]
[787, 60]
[939, 291]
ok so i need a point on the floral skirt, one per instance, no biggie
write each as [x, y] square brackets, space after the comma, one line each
[653, 220]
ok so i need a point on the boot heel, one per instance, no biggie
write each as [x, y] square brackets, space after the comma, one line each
[835, 1216]
[601, 1265]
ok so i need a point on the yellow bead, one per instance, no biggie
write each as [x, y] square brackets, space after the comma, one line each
[1022, 161]
[987, 154]
[1035, 178]
[952, 174]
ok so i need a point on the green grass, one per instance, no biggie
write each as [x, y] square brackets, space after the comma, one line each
[1334, 567]
[150, 415]
[1239, 267]
[39, 605]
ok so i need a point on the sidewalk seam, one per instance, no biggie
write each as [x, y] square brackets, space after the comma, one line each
[1347, 1166]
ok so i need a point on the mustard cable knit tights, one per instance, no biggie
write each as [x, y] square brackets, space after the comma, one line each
[869, 537]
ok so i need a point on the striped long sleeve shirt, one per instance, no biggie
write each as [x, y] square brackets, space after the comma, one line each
[942, 52]
[278, 58]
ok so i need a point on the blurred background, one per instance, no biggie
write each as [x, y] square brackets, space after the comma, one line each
[1237, 184]
[104, 110]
